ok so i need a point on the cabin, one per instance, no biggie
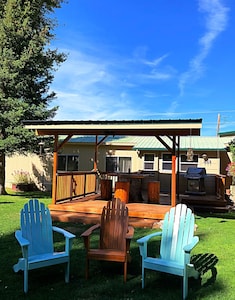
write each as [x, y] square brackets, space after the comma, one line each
[89, 154]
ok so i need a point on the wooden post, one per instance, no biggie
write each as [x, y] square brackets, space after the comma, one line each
[55, 166]
[173, 181]
[95, 166]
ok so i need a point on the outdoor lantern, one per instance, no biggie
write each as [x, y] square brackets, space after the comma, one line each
[190, 154]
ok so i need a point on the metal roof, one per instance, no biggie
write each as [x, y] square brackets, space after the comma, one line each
[110, 140]
[203, 143]
[195, 142]
[226, 134]
[127, 128]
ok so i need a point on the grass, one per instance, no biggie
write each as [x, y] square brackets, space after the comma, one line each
[217, 237]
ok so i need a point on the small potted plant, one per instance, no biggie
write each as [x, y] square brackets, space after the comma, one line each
[22, 181]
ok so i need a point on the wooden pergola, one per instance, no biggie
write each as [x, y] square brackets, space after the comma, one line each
[62, 131]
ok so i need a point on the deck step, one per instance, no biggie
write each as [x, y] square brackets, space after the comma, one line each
[66, 217]
[203, 201]
[87, 210]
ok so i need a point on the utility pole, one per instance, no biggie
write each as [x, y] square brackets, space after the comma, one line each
[218, 125]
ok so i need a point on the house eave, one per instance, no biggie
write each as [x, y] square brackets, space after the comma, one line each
[134, 127]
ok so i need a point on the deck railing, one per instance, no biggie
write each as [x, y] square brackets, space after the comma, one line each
[220, 186]
[75, 184]
[81, 184]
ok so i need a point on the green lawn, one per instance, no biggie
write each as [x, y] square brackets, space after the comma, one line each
[216, 234]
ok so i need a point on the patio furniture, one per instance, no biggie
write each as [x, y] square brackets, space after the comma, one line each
[115, 236]
[177, 241]
[154, 192]
[106, 189]
[36, 240]
[122, 190]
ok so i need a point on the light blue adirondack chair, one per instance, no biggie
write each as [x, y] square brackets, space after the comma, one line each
[177, 241]
[36, 240]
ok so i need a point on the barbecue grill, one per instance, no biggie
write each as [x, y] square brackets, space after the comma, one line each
[195, 181]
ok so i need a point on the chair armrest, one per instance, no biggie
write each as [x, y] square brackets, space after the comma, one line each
[129, 236]
[89, 231]
[22, 241]
[86, 235]
[146, 238]
[130, 232]
[65, 233]
[143, 243]
[190, 246]
[68, 237]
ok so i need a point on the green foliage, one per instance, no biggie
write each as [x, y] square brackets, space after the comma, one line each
[27, 69]
[21, 176]
[232, 149]
[231, 171]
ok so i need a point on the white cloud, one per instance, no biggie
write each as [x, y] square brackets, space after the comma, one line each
[216, 18]
[156, 61]
[157, 75]
[104, 87]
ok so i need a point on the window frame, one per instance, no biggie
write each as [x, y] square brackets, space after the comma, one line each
[149, 162]
[117, 164]
[166, 162]
[188, 164]
[182, 162]
[67, 156]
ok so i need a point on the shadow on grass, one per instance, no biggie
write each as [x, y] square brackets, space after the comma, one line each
[32, 194]
[106, 280]
[206, 262]
[226, 215]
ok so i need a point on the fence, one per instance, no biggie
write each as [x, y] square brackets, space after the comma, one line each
[75, 184]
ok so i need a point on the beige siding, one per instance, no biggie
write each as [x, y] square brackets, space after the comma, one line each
[39, 168]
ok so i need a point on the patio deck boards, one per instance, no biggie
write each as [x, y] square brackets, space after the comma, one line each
[88, 209]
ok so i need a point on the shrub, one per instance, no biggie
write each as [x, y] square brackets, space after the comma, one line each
[21, 176]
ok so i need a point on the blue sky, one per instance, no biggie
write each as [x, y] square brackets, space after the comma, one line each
[147, 59]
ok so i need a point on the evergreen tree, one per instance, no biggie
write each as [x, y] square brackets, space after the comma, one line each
[27, 67]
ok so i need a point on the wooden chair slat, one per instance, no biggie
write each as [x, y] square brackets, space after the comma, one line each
[115, 236]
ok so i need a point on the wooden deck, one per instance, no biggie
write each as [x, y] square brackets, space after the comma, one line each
[205, 203]
[88, 209]
[89, 213]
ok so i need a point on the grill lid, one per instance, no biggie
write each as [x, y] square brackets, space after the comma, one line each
[196, 172]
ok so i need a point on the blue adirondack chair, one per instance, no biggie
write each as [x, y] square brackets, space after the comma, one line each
[177, 241]
[36, 240]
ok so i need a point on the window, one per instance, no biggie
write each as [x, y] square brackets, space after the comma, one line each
[68, 162]
[111, 164]
[166, 162]
[148, 161]
[118, 164]
[185, 164]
